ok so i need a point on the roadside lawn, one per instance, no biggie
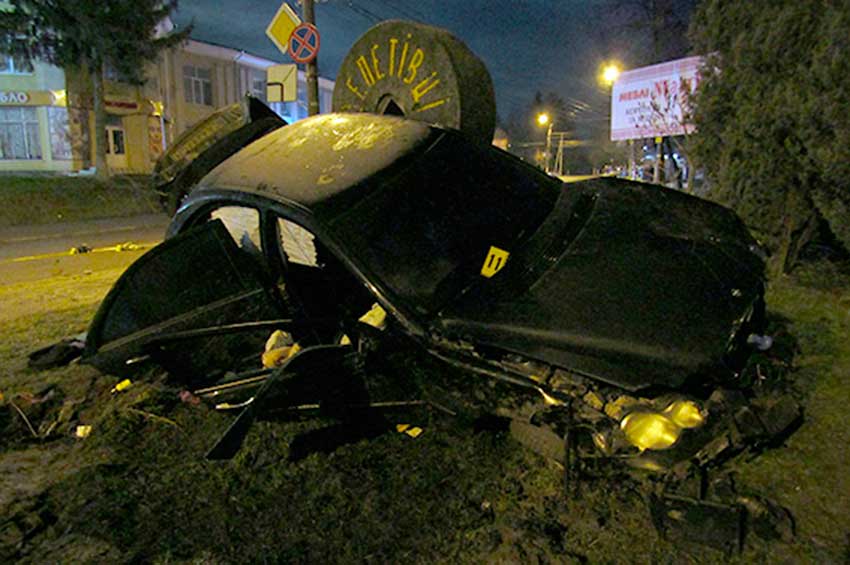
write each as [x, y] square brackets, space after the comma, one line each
[138, 489]
[73, 199]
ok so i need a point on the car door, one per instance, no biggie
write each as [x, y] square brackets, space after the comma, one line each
[199, 304]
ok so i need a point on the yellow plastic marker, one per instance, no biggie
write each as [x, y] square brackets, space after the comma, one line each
[83, 431]
[375, 317]
[495, 261]
[413, 431]
[123, 385]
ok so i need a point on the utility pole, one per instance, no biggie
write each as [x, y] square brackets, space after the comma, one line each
[312, 68]
[559, 156]
[659, 160]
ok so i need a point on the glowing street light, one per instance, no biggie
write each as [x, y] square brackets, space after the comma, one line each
[543, 120]
[610, 73]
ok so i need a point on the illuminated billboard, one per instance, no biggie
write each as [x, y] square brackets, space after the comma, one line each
[653, 101]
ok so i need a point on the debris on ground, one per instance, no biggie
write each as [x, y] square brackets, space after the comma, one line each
[79, 250]
[59, 354]
[279, 347]
[187, 397]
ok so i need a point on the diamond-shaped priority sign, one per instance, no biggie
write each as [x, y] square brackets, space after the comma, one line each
[281, 27]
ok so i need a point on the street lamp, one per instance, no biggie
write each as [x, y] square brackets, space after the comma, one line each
[543, 119]
[610, 73]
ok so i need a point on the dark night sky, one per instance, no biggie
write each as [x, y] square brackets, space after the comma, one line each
[527, 45]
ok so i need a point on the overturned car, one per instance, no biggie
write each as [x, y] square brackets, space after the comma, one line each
[606, 320]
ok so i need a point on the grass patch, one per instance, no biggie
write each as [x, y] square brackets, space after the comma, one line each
[43, 199]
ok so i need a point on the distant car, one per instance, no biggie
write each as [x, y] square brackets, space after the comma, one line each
[622, 311]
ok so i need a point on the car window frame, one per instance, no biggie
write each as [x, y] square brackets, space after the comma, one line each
[202, 202]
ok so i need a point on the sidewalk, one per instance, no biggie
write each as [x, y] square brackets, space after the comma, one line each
[25, 241]
[20, 234]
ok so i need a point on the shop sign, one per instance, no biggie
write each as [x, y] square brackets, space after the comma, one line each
[121, 106]
[14, 97]
[28, 98]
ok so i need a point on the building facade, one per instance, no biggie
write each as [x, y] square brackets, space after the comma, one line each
[47, 118]
[33, 117]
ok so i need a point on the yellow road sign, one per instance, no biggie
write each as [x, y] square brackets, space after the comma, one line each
[281, 26]
[282, 83]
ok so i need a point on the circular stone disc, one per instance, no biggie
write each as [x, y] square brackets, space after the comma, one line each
[421, 72]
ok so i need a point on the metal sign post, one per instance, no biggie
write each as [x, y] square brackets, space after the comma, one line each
[312, 69]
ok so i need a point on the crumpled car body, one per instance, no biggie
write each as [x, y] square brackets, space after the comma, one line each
[630, 284]
[631, 308]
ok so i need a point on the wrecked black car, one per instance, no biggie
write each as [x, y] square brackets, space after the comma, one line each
[605, 319]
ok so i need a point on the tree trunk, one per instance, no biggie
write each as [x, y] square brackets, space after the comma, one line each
[99, 134]
[659, 156]
[798, 227]
[692, 174]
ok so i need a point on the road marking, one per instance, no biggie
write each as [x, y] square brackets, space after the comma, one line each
[116, 248]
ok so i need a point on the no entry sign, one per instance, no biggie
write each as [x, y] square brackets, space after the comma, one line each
[304, 43]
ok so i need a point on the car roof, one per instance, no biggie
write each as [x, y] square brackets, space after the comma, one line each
[313, 160]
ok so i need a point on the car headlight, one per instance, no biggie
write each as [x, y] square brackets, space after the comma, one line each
[649, 429]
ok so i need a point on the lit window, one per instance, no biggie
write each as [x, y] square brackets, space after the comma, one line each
[197, 85]
[118, 141]
[19, 135]
[258, 84]
[15, 65]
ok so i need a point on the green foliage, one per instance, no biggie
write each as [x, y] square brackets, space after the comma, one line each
[771, 115]
[88, 33]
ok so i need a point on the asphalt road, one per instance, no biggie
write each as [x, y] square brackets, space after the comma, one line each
[32, 253]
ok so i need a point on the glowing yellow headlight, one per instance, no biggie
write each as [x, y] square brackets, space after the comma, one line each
[685, 414]
[650, 430]
[660, 430]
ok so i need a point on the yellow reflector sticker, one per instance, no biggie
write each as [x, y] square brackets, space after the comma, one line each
[496, 259]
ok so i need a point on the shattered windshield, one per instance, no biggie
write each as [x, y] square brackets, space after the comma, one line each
[427, 231]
